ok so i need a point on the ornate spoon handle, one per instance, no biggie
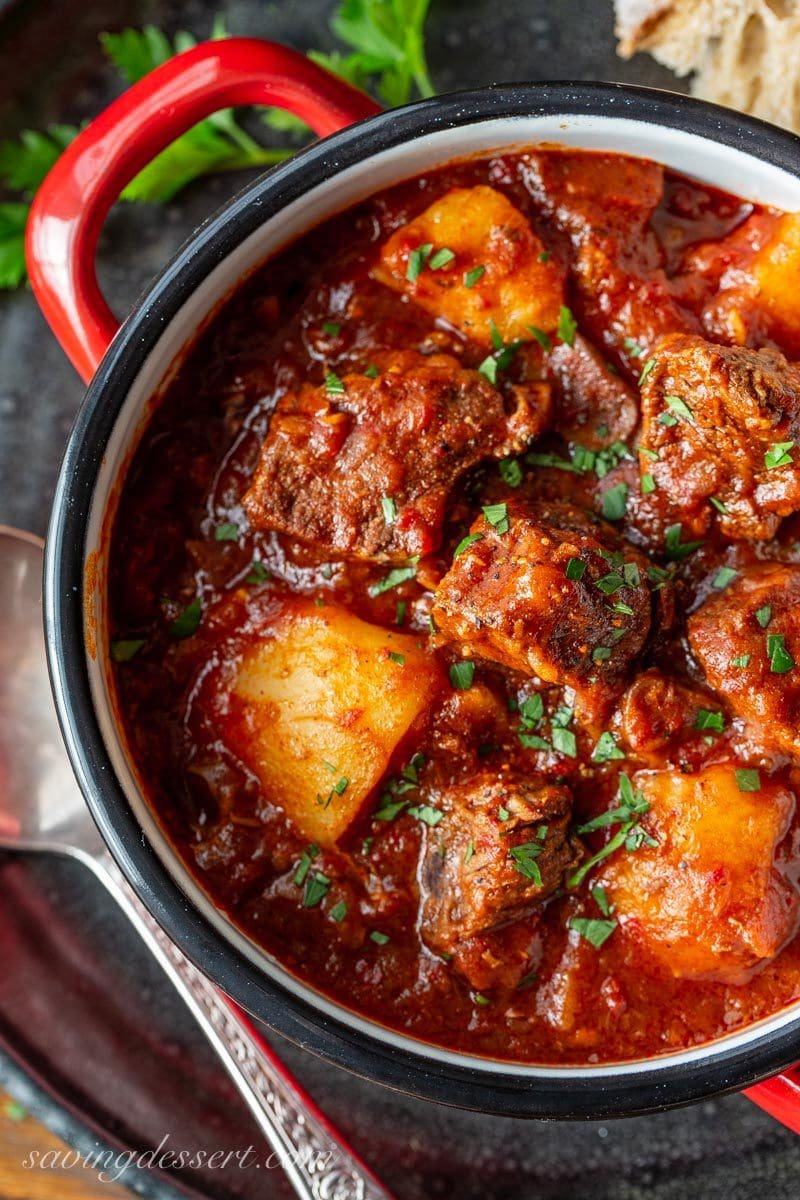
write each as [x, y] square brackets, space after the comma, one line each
[319, 1164]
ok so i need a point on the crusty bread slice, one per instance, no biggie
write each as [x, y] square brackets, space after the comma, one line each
[744, 53]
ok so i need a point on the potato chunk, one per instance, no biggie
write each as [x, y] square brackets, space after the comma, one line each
[482, 228]
[776, 269]
[320, 701]
[708, 900]
[747, 640]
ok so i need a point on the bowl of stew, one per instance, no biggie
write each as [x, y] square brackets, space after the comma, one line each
[422, 584]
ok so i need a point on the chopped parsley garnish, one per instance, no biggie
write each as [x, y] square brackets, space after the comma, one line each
[334, 386]
[395, 577]
[615, 502]
[541, 337]
[567, 326]
[601, 654]
[531, 710]
[764, 616]
[606, 749]
[633, 348]
[317, 886]
[332, 328]
[619, 607]
[400, 612]
[380, 939]
[742, 660]
[648, 453]
[564, 742]
[610, 583]
[497, 516]
[718, 505]
[372, 371]
[125, 649]
[523, 859]
[442, 258]
[780, 660]
[510, 472]
[748, 779]
[667, 419]
[532, 741]
[417, 260]
[598, 894]
[723, 577]
[339, 911]
[227, 532]
[646, 369]
[400, 659]
[648, 484]
[389, 507]
[426, 813]
[675, 548]
[186, 623]
[479, 998]
[594, 930]
[630, 834]
[678, 406]
[258, 573]
[503, 813]
[544, 256]
[707, 718]
[462, 674]
[472, 277]
[575, 569]
[304, 866]
[778, 455]
[501, 357]
[469, 853]
[465, 543]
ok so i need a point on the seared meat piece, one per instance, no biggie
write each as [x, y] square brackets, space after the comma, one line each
[659, 716]
[498, 276]
[559, 595]
[334, 453]
[747, 640]
[501, 848]
[592, 405]
[707, 900]
[715, 416]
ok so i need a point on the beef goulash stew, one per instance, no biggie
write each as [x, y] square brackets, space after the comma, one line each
[455, 606]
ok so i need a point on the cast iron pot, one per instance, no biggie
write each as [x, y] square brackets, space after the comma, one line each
[362, 149]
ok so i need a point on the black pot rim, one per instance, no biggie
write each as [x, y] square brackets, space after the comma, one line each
[576, 1095]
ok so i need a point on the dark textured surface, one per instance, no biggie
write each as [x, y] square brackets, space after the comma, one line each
[79, 1002]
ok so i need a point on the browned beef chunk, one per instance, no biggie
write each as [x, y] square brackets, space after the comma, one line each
[558, 594]
[500, 849]
[592, 404]
[362, 468]
[715, 417]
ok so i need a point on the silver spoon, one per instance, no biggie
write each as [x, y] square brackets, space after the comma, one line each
[41, 808]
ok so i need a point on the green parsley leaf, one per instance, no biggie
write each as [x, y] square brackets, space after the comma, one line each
[462, 674]
[723, 577]
[317, 886]
[633, 348]
[718, 505]
[228, 532]
[304, 865]
[646, 369]
[469, 853]
[186, 623]
[667, 419]
[598, 894]
[472, 277]
[125, 649]
[523, 859]
[564, 742]
[748, 779]
[764, 616]
[678, 406]
[780, 660]
[400, 659]
[395, 577]
[334, 386]
[615, 502]
[647, 484]
[610, 583]
[417, 260]
[488, 368]
[510, 472]
[544, 256]
[743, 660]
[389, 510]
[497, 516]
[601, 654]
[427, 814]
[575, 569]
[531, 710]
[441, 259]
[675, 548]
[465, 543]
[258, 573]
[541, 338]
[778, 455]
[619, 607]
[400, 612]
[371, 372]
[709, 719]
[606, 749]
[332, 328]
[339, 912]
[595, 931]
[567, 326]
[380, 939]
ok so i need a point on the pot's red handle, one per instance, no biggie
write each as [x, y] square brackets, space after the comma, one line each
[780, 1097]
[69, 209]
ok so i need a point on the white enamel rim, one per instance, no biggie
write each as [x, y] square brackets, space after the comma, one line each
[710, 161]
